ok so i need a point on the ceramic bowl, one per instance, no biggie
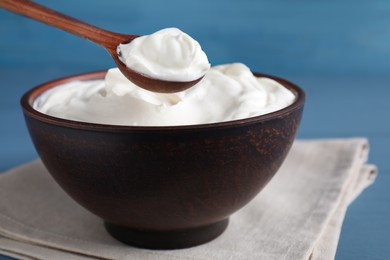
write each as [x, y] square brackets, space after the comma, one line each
[163, 187]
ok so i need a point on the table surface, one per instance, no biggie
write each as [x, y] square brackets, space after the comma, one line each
[338, 52]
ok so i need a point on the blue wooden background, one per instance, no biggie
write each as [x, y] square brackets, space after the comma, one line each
[338, 51]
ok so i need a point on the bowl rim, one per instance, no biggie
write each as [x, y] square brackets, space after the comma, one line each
[28, 98]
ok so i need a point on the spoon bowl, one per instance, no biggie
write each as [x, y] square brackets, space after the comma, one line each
[106, 39]
[152, 84]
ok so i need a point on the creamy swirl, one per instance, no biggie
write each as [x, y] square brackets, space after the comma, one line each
[227, 92]
[168, 54]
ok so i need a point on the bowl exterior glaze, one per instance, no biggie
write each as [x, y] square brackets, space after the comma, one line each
[162, 179]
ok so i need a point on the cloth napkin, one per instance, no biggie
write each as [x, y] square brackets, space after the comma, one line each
[297, 216]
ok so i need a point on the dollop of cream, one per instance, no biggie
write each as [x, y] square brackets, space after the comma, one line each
[168, 54]
[227, 92]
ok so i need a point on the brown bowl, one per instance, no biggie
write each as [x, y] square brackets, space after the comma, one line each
[163, 187]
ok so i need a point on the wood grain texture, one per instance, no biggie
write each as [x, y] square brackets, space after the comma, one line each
[34, 11]
[336, 50]
[108, 40]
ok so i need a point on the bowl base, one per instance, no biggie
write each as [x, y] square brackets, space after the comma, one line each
[167, 239]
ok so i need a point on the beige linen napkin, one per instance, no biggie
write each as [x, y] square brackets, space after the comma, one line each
[297, 216]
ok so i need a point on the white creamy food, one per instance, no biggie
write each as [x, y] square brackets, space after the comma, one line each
[227, 92]
[169, 54]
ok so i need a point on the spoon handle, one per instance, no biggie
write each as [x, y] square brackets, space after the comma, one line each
[106, 39]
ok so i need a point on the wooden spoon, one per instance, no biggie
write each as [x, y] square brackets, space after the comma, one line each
[107, 40]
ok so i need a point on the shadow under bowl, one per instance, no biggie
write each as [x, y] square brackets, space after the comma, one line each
[163, 187]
